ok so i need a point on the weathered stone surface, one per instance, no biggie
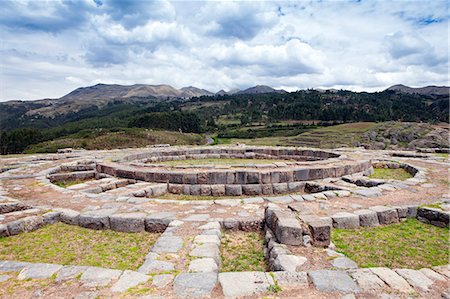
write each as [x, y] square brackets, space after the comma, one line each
[157, 222]
[51, 217]
[320, 231]
[432, 274]
[200, 239]
[203, 265]
[69, 272]
[333, 281]
[392, 279]
[368, 192]
[294, 279]
[128, 222]
[4, 230]
[345, 220]
[217, 190]
[197, 217]
[280, 199]
[38, 271]
[162, 280]
[251, 189]
[231, 223]
[98, 219]
[228, 202]
[206, 250]
[386, 215]
[194, 285]
[128, 280]
[288, 231]
[26, 224]
[288, 262]
[252, 200]
[94, 276]
[367, 218]
[240, 284]
[344, 263]
[443, 270]
[155, 266]
[366, 279]
[168, 244]
[233, 190]
[416, 278]
[11, 266]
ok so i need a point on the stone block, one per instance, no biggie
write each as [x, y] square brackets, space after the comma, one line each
[51, 217]
[280, 188]
[26, 224]
[320, 231]
[253, 177]
[69, 216]
[217, 178]
[128, 222]
[367, 218]
[296, 186]
[333, 281]
[345, 220]
[194, 285]
[217, 190]
[288, 230]
[205, 190]
[233, 190]
[98, 219]
[190, 178]
[301, 174]
[241, 284]
[157, 222]
[251, 224]
[386, 215]
[266, 189]
[251, 189]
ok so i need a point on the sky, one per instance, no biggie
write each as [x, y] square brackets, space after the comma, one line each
[49, 48]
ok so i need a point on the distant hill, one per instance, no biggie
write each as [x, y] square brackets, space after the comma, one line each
[427, 90]
[260, 89]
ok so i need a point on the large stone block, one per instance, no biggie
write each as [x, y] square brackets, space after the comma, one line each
[367, 218]
[190, 178]
[386, 215]
[98, 219]
[26, 224]
[69, 216]
[128, 222]
[288, 231]
[320, 231]
[345, 220]
[280, 188]
[217, 190]
[251, 189]
[157, 222]
[253, 177]
[217, 178]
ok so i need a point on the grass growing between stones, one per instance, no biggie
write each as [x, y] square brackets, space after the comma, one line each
[410, 244]
[390, 174]
[72, 245]
[242, 251]
[219, 161]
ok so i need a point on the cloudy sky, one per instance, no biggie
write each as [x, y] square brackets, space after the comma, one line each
[49, 48]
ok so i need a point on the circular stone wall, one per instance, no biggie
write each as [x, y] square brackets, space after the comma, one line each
[261, 179]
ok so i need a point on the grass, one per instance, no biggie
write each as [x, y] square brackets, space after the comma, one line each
[219, 161]
[390, 174]
[243, 251]
[437, 205]
[410, 244]
[72, 245]
[65, 184]
[124, 138]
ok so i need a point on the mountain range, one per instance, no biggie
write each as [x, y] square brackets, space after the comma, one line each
[101, 94]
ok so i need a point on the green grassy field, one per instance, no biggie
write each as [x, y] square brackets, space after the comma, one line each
[410, 244]
[218, 161]
[325, 137]
[125, 138]
[242, 251]
[72, 245]
[390, 174]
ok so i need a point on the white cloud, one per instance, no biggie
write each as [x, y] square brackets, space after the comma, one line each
[50, 48]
